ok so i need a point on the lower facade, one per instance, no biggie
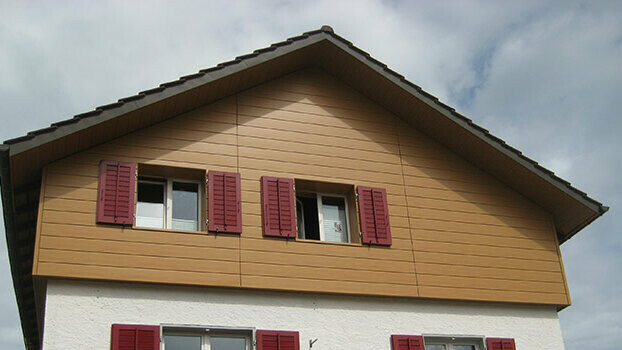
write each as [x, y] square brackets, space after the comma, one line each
[81, 315]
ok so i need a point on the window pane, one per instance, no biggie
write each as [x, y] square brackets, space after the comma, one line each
[185, 206]
[227, 343]
[182, 342]
[150, 205]
[464, 347]
[430, 347]
[334, 215]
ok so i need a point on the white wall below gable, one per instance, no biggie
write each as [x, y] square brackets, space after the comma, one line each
[78, 315]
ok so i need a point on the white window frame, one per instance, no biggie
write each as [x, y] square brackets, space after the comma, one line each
[168, 200]
[205, 332]
[320, 214]
[449, 341]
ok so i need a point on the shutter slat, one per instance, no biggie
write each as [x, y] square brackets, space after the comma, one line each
[224, 202]
[115, 202]
[135, 337]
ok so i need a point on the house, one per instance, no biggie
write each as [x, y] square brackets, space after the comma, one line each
[303, 196]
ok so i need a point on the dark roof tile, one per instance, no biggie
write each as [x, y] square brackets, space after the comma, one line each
[110, 106]
[131, 98]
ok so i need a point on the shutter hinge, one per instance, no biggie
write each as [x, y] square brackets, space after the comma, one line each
[206, 221]
[360, 234]
[294, 187]
[356, 195]
[206, 181]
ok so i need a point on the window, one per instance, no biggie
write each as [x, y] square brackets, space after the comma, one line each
[453, 343]
[167, 203]
[206, 339]
[169, 198]
[325, 211]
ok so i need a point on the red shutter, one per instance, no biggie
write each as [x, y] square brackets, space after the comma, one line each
[278, 203]
[374, 215]
[500, 344]
[407, 342]
[224, 202]
[135, 337]
[115, 202]
[278, 340]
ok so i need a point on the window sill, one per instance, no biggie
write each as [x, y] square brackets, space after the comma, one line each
[326, 242]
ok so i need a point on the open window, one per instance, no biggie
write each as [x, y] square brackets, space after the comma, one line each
[326, 212]
[170, 198]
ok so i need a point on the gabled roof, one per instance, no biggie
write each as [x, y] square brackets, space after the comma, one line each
[22, 158]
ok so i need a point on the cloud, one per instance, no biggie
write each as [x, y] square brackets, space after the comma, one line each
[544, 76]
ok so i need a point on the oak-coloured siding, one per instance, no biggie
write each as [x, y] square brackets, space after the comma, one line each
[457, 232]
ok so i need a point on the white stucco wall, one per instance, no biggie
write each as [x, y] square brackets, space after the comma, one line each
[78, 315]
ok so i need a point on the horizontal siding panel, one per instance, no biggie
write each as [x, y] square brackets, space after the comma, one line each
[321, 249]
[324, 171]
[487, 261]
[486, 219]
[61, 204]
[61, 217]
[483, 240]
[469, 249]
[324, 160]
[137, 275]
[184, 122]
[416, 192]
[489, 283]
[323, 286]
[364, 121]
[248, 99]
[84, 194]
[475, 208]
[331, 274]
[173, 238]
[351, 263]
[467, 227]
[488, 272]
[138, 248]
[349, 107]
[139, 261]
[177, 133]
[320, 150]
[179, 145]
[140, 153]
[317, 139]
[492, 295]
[314, 129]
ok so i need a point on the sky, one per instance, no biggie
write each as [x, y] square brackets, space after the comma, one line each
[546, 77]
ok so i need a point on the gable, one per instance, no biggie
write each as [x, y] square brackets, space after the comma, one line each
[457, 232]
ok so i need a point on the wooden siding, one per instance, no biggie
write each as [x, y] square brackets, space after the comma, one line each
[458, 233]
